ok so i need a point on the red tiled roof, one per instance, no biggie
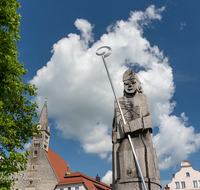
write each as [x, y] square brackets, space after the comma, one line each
[59, 165]
[89, 182]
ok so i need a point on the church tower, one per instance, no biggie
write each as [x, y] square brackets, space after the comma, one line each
[41, 141]
[44, 128]
[44, 168]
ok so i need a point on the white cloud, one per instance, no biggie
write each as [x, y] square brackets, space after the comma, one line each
[27, 145]
[175, 141]
[86, 30]
[183, 24]
[110, 158]
[80, 98]
[164, 183]
[107, 178]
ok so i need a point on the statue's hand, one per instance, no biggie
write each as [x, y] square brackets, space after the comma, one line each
[127, 128]
[135, 125]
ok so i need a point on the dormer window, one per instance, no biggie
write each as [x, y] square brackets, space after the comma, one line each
[187, 174]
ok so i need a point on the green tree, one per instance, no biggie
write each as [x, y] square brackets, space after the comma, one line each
[16, 111]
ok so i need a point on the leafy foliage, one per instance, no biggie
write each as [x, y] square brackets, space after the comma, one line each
[16, 111]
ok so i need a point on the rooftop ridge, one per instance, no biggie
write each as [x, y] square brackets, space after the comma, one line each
[59, 165]
[78, 174]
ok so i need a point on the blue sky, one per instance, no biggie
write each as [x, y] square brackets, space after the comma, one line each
[158, 39]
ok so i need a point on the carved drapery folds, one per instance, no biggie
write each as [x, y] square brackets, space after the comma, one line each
[136, 111]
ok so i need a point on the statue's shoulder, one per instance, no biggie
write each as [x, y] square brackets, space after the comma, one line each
[121, 99]
[141, 99]
[141, 96]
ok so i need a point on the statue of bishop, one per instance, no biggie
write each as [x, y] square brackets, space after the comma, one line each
[136, 111]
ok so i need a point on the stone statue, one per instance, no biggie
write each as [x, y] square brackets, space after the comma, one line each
[136, 111]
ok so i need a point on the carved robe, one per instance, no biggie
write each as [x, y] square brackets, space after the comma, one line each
[126, 174]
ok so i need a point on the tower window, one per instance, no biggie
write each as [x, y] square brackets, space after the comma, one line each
[45, 146]
[37, 145]
[35, 153]
[39, 136]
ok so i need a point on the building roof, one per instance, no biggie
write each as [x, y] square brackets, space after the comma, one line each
[90, 183]
[58, 164]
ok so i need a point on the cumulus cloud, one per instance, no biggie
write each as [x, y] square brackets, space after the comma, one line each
[178, 141]
[107, 178]
[86, 29]
[80, 98]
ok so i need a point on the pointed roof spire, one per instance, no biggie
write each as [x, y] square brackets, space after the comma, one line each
[43, 120]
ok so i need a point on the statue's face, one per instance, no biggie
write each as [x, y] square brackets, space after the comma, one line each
[130, 86]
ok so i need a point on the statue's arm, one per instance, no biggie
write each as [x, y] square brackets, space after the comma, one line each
[117, 126]
[146, 116]
[142, 120]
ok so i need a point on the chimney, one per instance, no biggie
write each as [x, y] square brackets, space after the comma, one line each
[173, 175]
[167, 188]
[98, 178]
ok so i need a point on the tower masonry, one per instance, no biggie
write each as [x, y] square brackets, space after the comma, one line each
[44, 168]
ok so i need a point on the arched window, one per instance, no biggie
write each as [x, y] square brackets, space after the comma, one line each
[187, 174]
[35, 153]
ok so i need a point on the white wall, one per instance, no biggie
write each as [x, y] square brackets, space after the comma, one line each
[65, 187]
[181, 176]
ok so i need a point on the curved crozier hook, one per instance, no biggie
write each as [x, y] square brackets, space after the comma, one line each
[104, 53]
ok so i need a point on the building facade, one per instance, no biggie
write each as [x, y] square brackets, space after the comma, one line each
[187, 178]
[79, 181]
[45, 168]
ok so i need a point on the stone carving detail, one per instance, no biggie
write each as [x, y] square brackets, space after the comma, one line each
[136, 111]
